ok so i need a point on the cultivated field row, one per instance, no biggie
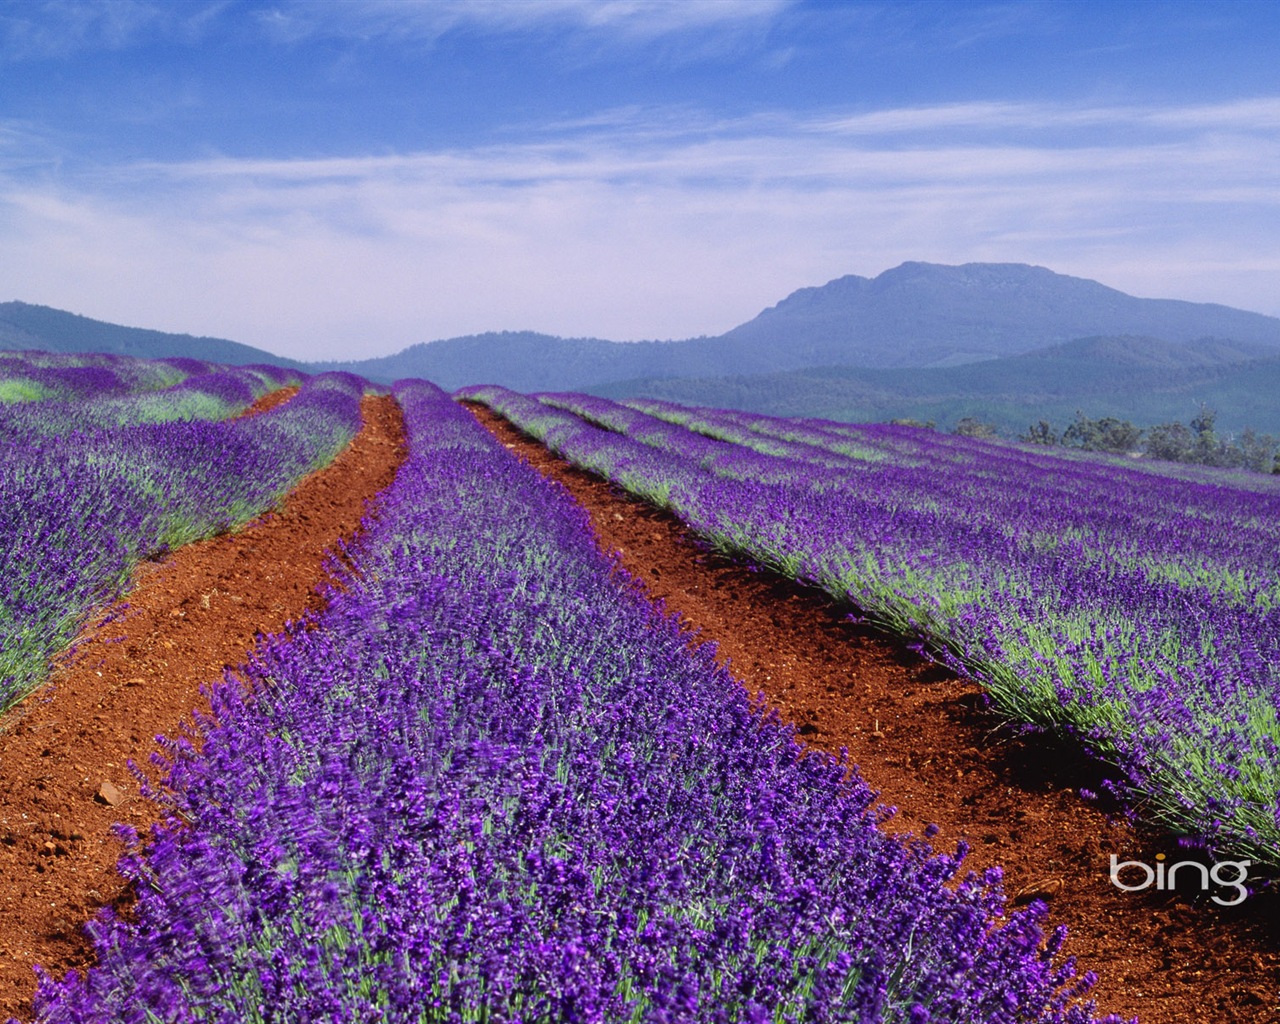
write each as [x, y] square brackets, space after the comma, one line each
[1135, 611]
[486, 779]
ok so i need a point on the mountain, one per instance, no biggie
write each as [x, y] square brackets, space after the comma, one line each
[916, 315]
[527, 361]
[1145, 380]
[24, 326]
[924, 314]
[1154, 353]
[1005, 341]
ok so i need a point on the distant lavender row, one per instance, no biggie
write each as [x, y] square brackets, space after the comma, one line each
[38, 400]
[77, 510]
[493, 783]
[38, 376]
[1138, 612]
[45, 376]
[1154, 518]
[875, 442]
[670, 433]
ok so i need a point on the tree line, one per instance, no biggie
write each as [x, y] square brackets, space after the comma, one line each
[1198, 441]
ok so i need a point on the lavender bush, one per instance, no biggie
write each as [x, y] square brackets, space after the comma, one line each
[492, 783]
[94, 403]
[103, 378]
[1138, 611]
[39, 376]
[79, 508]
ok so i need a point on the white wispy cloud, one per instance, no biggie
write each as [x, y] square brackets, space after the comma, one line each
[1257, 114]
[60, 29]
[1253, 115]
[428, 20]
[650, 224]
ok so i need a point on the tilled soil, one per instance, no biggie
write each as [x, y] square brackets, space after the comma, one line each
[136, 674]
[921, 737]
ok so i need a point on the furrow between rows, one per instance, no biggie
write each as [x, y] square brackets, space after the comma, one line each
[137, 674]
[921, 737]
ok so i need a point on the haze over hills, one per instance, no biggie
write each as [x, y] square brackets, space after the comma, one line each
[1145, 380]
[26, 326]
[1128, 350]
[916, 315]
[924, 314]
[1005, 341]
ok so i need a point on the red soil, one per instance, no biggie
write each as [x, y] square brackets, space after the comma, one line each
[269, 401]
[921, 737]
[136, 674]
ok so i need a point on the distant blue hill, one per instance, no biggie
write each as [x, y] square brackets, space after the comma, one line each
[1005, 341]
[924, 314]
[24, 326]
[916, 315]
[1144, 380]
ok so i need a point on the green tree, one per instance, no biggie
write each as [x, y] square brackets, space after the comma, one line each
[1207, 448]
[1200, 442]
[1258, 452]
[1105, 435]
[971, 426]
[1040, 433]
[1173, 442]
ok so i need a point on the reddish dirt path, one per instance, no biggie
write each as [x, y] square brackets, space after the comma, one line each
[269, 401]
[919, 735]
[137, 674]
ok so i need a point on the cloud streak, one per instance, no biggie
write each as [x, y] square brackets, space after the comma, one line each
[64, 29]
[426, 21]
[652, 225]
[1261, 114]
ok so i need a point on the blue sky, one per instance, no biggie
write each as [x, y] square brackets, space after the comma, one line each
[345, 179]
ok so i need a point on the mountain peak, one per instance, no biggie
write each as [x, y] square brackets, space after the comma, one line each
[915, 315]
[931, 314]
[984, 276]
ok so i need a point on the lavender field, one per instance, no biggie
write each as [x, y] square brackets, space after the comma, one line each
[112, 460]
[491, 782]
[1133, 609]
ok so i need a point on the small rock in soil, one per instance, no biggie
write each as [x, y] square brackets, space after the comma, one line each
[1044, 889]
[109, 794]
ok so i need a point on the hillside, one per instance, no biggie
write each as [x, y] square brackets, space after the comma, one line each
[923, 314]
[1141, 379]
[998, 340]
[529, 361]
[916, 315]
[25, 326]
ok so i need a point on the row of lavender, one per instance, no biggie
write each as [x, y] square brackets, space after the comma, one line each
[42, 394]
[43, 376]
[492, 783]
[1136, 611]
[80, 505]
